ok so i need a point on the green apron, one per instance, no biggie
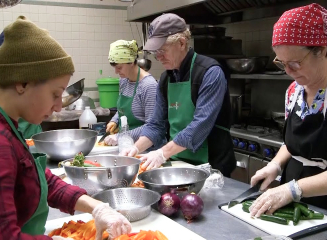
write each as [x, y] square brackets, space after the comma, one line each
[36, 224]
[124, 107]
[28, 129]
[180, 114]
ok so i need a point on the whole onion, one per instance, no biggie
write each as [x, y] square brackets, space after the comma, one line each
[169, 204]
[191, 206]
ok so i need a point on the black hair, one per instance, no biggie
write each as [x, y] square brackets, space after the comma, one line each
[113, 64]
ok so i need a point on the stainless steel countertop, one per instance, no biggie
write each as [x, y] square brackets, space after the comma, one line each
[214, 224]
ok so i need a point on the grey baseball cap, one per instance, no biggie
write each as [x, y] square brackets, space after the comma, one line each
[161, 28]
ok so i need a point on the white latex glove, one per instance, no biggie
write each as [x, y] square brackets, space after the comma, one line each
[111, 140]
[153, 159]
[271, 200]
[268, 173]
[130, 152]
[108, 219]
[61, 238]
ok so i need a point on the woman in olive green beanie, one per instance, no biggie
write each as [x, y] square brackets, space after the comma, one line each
[137, 92]
[34, 72]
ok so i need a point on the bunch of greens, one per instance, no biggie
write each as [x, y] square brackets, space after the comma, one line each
[78, 160]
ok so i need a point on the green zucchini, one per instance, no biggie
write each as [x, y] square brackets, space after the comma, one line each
[272, 218]
[313, 216]
[283, 215]
[305, 211]
[296, 216]
[287, 210]
[245, 209]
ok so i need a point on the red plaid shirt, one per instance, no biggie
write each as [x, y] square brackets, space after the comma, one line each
[20, 188]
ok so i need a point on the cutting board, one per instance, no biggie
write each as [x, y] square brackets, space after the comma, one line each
[274, 228]
[103, 149]
[155, 221]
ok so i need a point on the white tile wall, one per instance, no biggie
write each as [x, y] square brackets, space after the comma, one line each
[85, 33]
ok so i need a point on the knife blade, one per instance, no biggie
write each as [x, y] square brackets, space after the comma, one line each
[103, 137]
[245, 195]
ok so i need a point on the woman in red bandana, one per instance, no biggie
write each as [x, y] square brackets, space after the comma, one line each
[300, 43]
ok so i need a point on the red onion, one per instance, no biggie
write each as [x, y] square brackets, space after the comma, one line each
[191, 206]
[169, 204]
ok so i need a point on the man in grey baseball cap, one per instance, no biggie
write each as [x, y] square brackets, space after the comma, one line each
[192, 99]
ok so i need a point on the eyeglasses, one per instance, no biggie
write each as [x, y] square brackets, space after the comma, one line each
[293, 65]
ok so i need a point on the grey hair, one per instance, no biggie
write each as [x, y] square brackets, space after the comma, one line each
[175, 37]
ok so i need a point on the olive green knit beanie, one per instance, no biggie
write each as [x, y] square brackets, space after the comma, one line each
[30, 54]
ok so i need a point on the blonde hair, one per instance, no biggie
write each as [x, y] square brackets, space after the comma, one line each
[175, 37]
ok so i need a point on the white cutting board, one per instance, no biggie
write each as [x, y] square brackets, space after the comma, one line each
[155, 221]
[270, 227]
[102, 149]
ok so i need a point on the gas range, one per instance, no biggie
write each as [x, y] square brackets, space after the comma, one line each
[259, 141]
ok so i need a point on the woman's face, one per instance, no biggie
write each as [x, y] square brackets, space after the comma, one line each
[39, 101]
[124, 70]
[312, 67]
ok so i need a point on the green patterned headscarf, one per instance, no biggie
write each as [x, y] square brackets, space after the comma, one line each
[123, 51]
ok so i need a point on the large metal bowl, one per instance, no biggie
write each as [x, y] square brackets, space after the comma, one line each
[117, 171]
[247, 65]
[133, 203]
[177, 179]
[66, 143]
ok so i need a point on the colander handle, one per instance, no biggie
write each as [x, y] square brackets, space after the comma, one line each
[93, 170]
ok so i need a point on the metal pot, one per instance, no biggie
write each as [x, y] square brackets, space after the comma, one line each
[144, 63]
[117, 171]
[236, 105]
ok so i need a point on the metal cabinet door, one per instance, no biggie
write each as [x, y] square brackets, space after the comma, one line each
[241, 172]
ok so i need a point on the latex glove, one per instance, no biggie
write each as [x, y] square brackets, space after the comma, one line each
[111, 140]
[130, 152]
[268, 173]
[61, 238]
[108, 219]
[153, 159]
[112, 127]
[271, 200]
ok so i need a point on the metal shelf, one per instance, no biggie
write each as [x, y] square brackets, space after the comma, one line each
[261, 76]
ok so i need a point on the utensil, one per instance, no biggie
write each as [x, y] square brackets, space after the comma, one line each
[65, 143]
[180, 180]
[247, 65]
[117, 172]
[103, 137]
[245, 195]
[81, 103]
[144, 63]
[133, 203]
[72, 93]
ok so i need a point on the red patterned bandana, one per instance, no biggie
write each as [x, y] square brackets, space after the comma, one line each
[303, 26]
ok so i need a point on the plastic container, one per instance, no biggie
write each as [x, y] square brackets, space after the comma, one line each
[108, 92]
[125, 140]
[87, 118]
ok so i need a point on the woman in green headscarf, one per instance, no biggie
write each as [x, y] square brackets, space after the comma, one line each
[137, 94]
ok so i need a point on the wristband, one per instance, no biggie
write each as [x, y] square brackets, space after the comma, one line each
[295, 190]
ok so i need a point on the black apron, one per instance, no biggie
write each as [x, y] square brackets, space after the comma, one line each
[306, 140]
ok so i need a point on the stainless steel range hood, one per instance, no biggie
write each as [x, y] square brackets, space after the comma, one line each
[211, 12]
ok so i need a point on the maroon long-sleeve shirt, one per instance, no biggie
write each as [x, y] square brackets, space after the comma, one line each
[20, 187]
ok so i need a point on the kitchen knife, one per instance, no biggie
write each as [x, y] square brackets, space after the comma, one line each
[104, 136]
[245, 195]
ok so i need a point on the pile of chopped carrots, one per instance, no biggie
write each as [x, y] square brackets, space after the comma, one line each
[29, 142]
[77, 230]
[143, 235]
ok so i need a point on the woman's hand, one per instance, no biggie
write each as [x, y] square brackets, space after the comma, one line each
[112, 127]
[153, 159]
[268, 174]
[111, 140]
[271, 200]
[108, 219]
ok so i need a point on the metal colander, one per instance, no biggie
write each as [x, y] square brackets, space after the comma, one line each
[133, 203]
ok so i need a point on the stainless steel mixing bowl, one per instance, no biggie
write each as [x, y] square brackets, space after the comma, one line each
[133, 203]
[177, 179]
[65, 143]
[247, 65]
[117, 171]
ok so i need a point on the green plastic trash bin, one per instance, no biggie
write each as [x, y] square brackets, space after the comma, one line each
[108, 92]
